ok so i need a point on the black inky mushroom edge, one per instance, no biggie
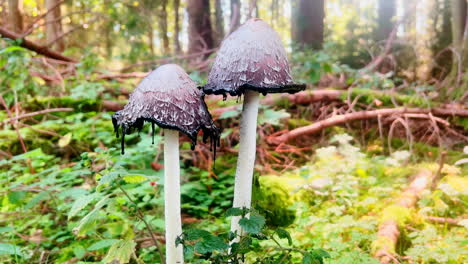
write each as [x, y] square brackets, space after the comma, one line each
[288, 88]
[212, 132]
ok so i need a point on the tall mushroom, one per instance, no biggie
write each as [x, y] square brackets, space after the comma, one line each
[251, 60]
[169, 98]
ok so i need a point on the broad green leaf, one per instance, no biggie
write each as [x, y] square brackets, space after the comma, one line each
[210, 244]
[284, 234]
[9, 249]
[134, 178]
[102, 244]
[234, 212]
[80, 204]
[120, 252]
[253, 224]
[16, 197]
[5, 229]
[36, 199]
[87, 221]
[109, 177]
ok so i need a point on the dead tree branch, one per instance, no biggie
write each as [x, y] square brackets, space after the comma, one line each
[362, 115]
[389, 232]
[36, 113]
[43, 50]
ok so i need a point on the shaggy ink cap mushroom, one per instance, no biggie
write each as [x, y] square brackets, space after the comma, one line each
[253, 58]
[169, 98]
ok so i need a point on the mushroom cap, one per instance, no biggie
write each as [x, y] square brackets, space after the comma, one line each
[252, 57]
[169, 98]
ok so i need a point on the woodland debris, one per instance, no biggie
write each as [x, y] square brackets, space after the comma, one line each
[36, 113]
[362, 115]
[388, 233]
[43, 50]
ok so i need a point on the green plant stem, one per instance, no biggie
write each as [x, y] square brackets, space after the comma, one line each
[150, 230]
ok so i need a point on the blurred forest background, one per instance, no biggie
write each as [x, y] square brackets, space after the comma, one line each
[368, 164]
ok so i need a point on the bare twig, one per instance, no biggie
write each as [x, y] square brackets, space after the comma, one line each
[11, 119]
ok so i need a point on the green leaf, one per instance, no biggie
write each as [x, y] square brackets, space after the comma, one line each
[16, 197]
[229, 114]
[87, 222]
[316, 256]
[36, 199]
[109, 177]
[284, 234]
[102, 244]
[5, 229]
[134, 178]
[210, 244]
[9, 249]
[234, 212]
[252, 225]
[120, 252]
[80, 204]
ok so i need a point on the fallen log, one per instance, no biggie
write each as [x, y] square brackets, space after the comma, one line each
[43, 50]
[396, 215]
[362, 115]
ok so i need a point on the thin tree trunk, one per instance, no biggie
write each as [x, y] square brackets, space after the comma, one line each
[386, 13]
[177, 48]
[308, 22]
[163, 26]
[54, 25]
[151, 39]
[219, 22]
[200, 31]
[15, 8]
[235, 15]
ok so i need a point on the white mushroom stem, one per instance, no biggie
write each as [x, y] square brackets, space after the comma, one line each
[172, 196]
[246, 158]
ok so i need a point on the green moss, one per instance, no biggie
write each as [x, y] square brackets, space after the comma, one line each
[401, 215]
[367, 96]
[81, 105]
[273, 199]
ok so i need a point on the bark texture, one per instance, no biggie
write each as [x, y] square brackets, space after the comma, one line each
[308, 22]
[219, 22]
[200, 31]
[386, 13]
[163, 26]
[177, 47]
[15, 10]
[235, 15]
[54, 31]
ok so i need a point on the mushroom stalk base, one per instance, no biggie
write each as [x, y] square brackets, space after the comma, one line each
[172, 196]
[246, 158]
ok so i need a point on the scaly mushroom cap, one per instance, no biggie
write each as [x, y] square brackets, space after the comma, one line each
[254, 58]
[169, 98]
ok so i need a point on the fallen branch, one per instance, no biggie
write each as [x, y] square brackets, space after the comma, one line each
[43, 50]
[362, 115]
[388, 234]
[443, 220]
[122, 76]
[37, 113]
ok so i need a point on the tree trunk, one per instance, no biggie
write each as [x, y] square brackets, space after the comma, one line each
[308, 22]
[459, 42]
[54, 25]
[235, 15]
[151, 40]
[15, 8]
[177, 48]
[386, 13]
[200, 31]
[219, 24]
[163, 26]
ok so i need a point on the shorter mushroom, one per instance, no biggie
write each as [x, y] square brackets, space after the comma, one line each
[169, 98]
